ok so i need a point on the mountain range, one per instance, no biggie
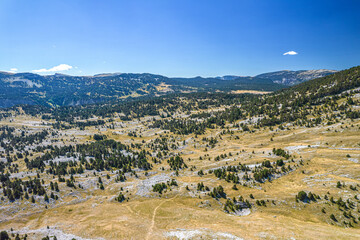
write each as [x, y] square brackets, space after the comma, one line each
[62, 90]
[290, 78]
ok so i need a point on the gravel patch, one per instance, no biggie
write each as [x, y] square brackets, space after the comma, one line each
[353, 160]
[23, 174]
[243, 212]
[351, 149]
[61, 159]
[183, 234]
[295, 148]
[51, 231]
[145, 186]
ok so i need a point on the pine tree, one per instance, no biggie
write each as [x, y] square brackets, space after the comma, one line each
[56, 187]
[46, 198]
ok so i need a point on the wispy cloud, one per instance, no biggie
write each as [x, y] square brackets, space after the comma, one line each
[58, 68]
[290, 53]
[13, 70]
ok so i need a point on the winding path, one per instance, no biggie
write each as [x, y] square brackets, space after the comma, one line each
[154, 215]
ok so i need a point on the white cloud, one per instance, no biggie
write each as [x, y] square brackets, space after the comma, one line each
[290, 53]
[13, 70]
[58, 68]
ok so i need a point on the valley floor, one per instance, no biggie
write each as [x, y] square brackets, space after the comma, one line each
[323, 156]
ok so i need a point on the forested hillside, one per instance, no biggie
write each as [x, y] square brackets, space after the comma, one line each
[64, 90]
[293, 104]
[291, 78]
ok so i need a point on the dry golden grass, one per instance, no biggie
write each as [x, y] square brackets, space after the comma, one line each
[325, 163]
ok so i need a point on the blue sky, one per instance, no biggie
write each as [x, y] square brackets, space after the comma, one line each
[178, 37]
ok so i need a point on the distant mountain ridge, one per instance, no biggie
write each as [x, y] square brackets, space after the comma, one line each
[62, 90]
[228, 77]
[290, 78]
[287, 77]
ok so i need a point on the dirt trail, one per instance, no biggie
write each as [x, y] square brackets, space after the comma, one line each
[154, 215]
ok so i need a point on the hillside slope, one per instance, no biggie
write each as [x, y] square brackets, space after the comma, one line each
[290, 78]
[63, 90]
